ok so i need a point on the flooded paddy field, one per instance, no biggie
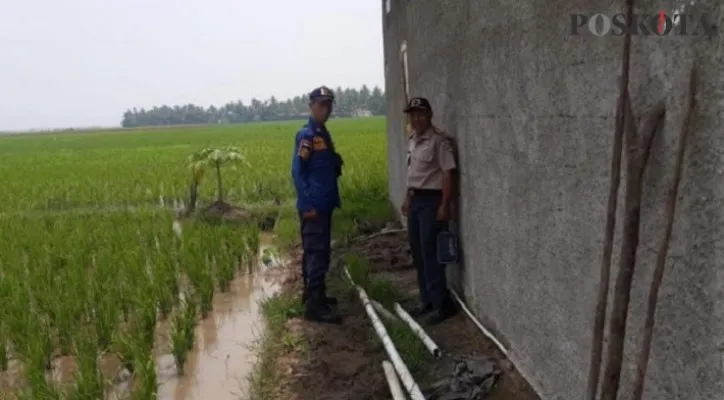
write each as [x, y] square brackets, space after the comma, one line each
[112, 288]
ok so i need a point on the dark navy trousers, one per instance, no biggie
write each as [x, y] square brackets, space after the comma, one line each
[316, 245]
[422, 228]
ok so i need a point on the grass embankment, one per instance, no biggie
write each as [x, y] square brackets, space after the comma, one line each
[267, 381]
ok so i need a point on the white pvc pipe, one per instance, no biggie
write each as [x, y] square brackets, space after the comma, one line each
[383, 311]
[407, 380]
[480, 326]
[393, 382]
[380, 233]
[378, 307]
[418, 330]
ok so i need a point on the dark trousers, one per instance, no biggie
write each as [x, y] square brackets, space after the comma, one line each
[316, 245]
[422, 228]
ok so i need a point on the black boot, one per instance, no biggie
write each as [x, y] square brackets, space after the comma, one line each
[318, 310]
[329, 300]
[421, 310]
[447, 310]
[305, 294]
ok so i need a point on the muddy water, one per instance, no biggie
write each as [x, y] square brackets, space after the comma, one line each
[220, 363]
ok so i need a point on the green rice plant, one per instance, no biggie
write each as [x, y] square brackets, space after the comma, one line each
[252, 241]
[179, 342]
[229, 246]
[147, 319]
[88, 377]
[145, 373]
[123, 349]
[183, 332]
[225, 270]
[4, 359]
[205, 287]
[197, 267]
[165, 272]
[190, 319]
[103, 307]
[36, 356]
[167, 286]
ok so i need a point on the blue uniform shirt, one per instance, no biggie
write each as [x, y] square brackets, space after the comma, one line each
[315, 169]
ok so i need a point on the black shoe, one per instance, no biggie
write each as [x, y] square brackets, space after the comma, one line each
[317, 309]
[332, 301]
[421, 310]
[440, 316]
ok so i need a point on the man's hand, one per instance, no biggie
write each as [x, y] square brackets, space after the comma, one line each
[443, 213]
[309, 215]
[405, 209]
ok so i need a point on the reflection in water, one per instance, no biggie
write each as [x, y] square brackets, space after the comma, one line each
[221, 361]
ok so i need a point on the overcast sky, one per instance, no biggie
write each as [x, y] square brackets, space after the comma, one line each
[79, 63]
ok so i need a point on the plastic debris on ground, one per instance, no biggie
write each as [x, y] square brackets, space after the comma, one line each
[471, 378]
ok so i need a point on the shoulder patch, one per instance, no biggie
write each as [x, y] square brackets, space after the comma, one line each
[305, 150]
[447, 144]
[305, 144]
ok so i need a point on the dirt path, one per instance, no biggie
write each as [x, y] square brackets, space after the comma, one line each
[344, 362]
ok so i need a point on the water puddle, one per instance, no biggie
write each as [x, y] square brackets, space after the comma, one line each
[221, 361]
[222, 358]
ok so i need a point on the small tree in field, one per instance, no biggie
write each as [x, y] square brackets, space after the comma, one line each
[207, 158]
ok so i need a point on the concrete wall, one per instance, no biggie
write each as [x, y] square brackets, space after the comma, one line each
[532, 109]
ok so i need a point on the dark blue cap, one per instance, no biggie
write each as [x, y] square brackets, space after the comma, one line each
[321, 93]
[418, 104]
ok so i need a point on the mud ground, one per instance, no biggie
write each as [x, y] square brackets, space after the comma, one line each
[344, 362]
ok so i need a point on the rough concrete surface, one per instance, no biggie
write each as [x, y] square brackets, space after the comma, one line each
[532, 109]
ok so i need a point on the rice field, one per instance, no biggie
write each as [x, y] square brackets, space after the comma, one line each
[90, 262]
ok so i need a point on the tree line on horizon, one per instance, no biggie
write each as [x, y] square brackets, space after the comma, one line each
[349, 102]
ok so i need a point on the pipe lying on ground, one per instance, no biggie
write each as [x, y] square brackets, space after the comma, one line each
[349, 277]
[393, 382]
[383, 311]
[380, 233]
[478, 324]
[407, 380]
[378, 307]
[418, 330]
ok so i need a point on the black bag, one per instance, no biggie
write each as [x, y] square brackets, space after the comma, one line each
[448, 247]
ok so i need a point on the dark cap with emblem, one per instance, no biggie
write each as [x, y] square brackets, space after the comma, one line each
[321, 93]
[418, 104]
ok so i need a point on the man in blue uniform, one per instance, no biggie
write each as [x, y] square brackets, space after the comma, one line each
[315, 168]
